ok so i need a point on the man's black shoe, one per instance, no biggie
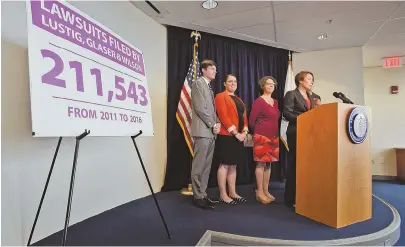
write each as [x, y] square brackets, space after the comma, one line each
[202, 203]
[210, 201]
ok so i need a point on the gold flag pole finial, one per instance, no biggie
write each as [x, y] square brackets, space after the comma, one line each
[289, 55]
[196, 35]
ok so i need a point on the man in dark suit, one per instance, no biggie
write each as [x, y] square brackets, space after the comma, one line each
[205, 125]
[296, 102]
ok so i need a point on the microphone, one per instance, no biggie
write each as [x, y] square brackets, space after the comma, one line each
[342, 97]
[346, 99]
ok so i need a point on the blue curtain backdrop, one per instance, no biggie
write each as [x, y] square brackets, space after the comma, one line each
[248, 62]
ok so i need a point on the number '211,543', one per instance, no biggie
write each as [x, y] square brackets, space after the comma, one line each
[51, 78]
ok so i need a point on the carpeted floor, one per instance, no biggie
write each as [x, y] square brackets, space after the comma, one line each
[138, 222]
[394, 194]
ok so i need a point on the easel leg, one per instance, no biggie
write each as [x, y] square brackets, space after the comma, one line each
[150, 186]
[72, 180]
[44, 191]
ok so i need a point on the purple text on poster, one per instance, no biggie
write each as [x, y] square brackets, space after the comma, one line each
[66, 23]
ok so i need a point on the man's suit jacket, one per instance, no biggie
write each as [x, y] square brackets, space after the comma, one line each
[204, 111]
[295, 105]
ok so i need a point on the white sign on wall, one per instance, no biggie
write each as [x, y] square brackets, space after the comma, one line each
[83, 76]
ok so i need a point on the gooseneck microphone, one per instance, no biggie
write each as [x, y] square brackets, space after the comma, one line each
[342, 97]
[346, 99]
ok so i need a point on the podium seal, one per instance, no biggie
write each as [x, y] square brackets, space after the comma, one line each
[357, 125]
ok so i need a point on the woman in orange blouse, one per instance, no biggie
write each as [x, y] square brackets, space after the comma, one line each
[229, 147]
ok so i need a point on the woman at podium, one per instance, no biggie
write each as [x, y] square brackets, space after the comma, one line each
[264, 121]
[296, 102]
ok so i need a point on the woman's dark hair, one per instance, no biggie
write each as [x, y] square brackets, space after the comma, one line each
[227, 76]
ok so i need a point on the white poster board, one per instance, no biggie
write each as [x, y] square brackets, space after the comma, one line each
[83, 76]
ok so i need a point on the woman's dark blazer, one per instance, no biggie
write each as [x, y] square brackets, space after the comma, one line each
[295, 105]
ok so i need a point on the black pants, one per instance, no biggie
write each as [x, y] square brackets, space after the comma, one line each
[289, 193]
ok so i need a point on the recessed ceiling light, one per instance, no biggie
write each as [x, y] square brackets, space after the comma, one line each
[209, 4]
[323, 36]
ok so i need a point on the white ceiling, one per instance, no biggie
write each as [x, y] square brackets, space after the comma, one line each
[295, 25]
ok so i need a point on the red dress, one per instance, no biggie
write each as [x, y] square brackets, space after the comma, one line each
[264, 122]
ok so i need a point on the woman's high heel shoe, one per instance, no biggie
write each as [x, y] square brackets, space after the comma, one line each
[271, 197]
[263, 200]
[239, 199]
[229, 203]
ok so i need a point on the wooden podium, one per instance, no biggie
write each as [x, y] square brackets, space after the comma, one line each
[334, 177]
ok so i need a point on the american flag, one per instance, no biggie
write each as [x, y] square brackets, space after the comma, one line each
[184, 112]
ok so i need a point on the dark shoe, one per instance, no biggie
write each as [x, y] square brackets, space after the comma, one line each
[210, 201]
[229, 203]
[202, 203]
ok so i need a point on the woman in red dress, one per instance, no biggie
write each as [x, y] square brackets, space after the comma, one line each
[264, 122]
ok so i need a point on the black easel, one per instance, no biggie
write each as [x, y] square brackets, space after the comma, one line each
[78, 138]
[72, 181]
[44, 191]
[150, 186]
[72, 178]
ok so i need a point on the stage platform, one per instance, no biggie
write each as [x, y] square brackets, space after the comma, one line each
[251, 223]
[387, 236]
